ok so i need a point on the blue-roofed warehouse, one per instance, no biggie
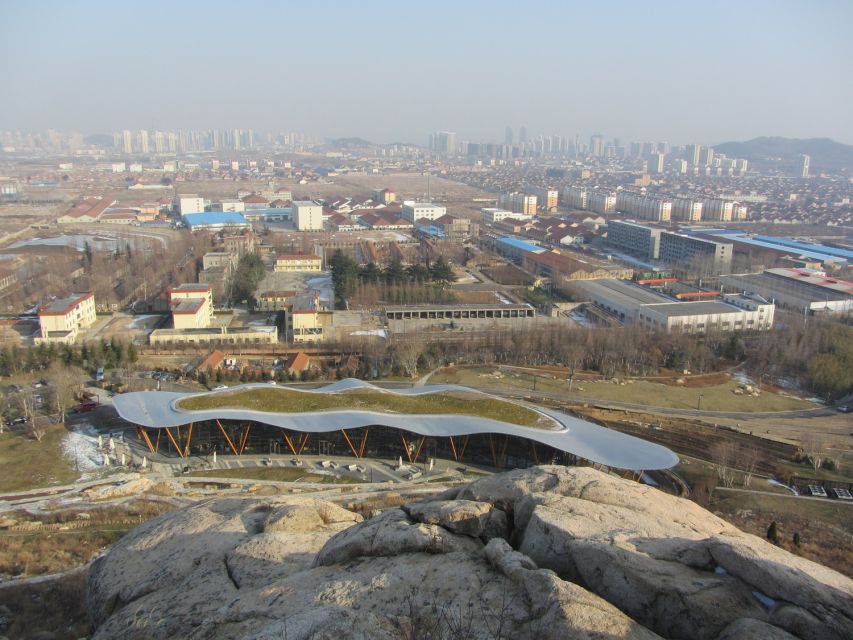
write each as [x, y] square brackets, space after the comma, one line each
[214, 220]
[515, 248]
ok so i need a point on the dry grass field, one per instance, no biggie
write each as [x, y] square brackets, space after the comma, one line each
[280, 400]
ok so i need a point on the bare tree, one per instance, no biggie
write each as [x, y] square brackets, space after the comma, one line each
[747, 459]
[406, 354]
[814, 447]
[724, 454]
[26, 404]
[37, 430]
[64, 384]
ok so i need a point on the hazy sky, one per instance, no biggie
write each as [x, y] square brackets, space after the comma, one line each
[393, 71]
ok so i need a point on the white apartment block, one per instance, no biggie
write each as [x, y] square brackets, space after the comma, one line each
[491, 215]
[413, 211]
[687, 210]
[190, 203]
[644, 207]
[307, 216]
[602, 203]
[576, 198]
[518, 202]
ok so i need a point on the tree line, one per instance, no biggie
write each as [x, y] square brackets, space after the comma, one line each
[818, 356]
[110, 354]
[347, 275]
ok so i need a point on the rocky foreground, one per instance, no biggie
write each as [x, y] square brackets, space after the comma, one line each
[547, 552]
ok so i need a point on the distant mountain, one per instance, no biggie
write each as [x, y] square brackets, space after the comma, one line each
[785, 152]
[351, 142]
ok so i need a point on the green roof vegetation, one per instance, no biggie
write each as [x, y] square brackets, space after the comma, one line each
[280, 400]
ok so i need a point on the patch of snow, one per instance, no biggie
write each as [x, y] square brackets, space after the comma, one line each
[776, 483]
[501, 298]
[139, 321]
[80, 447]
[382, 333]
[742, 378]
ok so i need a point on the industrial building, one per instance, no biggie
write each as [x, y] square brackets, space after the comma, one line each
[405, 319]
[629, 303]
[812, 292]
[512, 248]
[677, 248]
[214, 220]
[250, 335]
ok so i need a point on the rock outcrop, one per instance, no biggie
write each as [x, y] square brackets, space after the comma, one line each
[547, 552]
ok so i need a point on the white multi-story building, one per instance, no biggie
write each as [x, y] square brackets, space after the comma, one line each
[191, 305]
[576, 198]
[687, 209]
[61, 320]
[414, 211]
[518, 202]
[190, 203]
[602, 202]
[644, 207]
[548, 198]
[307, 216]
[232, 206]
[656, 163]
[491, 215]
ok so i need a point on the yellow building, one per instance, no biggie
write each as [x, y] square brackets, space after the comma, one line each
[298, 262]
[61, 320]
[310, 326]
[191, 305]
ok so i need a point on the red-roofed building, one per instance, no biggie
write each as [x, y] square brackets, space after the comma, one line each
[61, 320]
[297, 363]
[191, 305]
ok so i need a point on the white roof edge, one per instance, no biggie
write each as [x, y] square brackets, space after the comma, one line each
[156, 409]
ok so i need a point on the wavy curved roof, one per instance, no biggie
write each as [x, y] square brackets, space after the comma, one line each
[157, 409]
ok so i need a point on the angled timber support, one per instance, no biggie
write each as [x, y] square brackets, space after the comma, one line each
[227, 439]
[189, 438]
[244, 436]
[178, 449]
[143, 435]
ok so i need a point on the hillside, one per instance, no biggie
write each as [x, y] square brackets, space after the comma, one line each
[548, 553]
[785, 153]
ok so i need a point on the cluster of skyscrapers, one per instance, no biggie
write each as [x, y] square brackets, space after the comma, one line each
[143, 141]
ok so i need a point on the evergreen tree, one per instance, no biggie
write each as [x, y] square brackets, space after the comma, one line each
[773, 533]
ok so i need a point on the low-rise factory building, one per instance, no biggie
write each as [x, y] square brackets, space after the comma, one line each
[630, 303]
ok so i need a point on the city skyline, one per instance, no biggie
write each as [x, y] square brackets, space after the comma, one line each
[341, 71]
